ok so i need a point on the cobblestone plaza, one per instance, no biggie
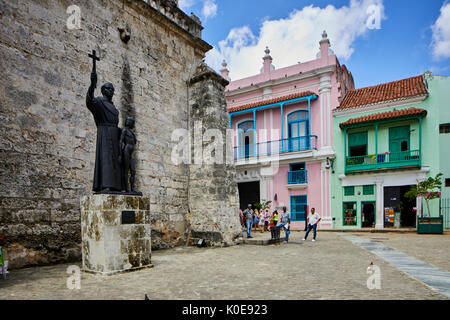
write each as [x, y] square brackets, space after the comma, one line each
[330, 268]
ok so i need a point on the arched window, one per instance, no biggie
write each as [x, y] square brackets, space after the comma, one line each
[245, 139]
[298, 115]
[298, 130]
[246, 125]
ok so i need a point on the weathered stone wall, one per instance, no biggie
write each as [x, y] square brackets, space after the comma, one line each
[47, 135]
[109, 244]
[213, 192]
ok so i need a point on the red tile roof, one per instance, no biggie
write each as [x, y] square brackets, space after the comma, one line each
[274, 100]
[409, 87]
[385, 115]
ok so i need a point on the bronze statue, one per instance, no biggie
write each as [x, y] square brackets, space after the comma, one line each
[107, 174]
[127, 143]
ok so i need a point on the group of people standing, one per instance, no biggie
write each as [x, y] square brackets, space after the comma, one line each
[262, 220]
[265, 221]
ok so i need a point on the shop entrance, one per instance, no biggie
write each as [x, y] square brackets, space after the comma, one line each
[248, 194]
[396, 202]
[368, 214]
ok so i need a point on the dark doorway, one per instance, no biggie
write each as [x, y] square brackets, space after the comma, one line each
[247, 146]
[248, 194]
[368, 212]
[408, 215]
[394, 197]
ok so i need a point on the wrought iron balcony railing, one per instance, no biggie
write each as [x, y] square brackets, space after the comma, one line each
[295, 177]
[383, 160]
[276, 147]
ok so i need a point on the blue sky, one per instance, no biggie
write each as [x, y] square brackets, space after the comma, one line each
[402, 47]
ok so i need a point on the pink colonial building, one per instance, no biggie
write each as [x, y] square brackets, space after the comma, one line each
[283, 135]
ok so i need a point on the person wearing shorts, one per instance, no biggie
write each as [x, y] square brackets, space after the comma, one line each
[255, 219]
[261, 221]
[266, 220]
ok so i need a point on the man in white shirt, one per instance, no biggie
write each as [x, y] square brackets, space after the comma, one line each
[313, 220]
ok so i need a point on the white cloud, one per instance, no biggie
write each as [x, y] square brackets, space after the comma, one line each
[185, 4]
[441, 34]
[295, 38]
[209, 9]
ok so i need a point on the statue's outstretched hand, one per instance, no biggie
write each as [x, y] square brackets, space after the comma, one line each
[93, 80]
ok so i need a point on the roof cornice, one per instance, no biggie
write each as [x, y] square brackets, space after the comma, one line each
[380, 105]
[168, 14]
[274, 82]
[384, 117]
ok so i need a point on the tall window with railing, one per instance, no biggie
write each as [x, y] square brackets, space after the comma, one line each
[298, 135]
[245, 139]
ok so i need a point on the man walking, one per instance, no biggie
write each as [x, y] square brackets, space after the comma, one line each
[313, 220]
[248, 214]
[285, 222]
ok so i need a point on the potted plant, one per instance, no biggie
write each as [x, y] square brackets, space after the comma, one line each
[263, 205]
[428, 189]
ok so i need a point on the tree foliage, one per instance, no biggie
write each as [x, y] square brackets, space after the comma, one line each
[263, 205]
[428, 189]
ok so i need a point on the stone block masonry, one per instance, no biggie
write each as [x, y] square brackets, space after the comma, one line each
[213, 192]
[47, 136]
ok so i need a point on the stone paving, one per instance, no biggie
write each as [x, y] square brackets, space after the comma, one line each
[434, 277]
[433, 249]
[331, 268]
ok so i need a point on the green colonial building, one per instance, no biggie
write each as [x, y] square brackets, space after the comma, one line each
[387, 138]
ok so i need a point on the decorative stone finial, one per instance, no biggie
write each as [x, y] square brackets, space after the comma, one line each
[324, 38]
[267, 52]
[225, 73]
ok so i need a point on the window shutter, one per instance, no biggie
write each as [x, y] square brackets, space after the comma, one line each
[357, 139]
[349, 191]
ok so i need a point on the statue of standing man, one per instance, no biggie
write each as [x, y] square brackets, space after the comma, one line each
[107, 174]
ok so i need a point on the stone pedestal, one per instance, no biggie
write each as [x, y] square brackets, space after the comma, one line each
[116, 233]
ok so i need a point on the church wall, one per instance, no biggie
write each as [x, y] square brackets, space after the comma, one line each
[47, 135]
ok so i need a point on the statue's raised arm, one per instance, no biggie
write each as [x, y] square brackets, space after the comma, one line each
[90, 94]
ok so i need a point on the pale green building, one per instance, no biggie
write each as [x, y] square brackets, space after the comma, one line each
[387, 138]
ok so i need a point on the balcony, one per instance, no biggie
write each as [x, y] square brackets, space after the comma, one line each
[297, 179]
[410, 158]
[269, 148]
